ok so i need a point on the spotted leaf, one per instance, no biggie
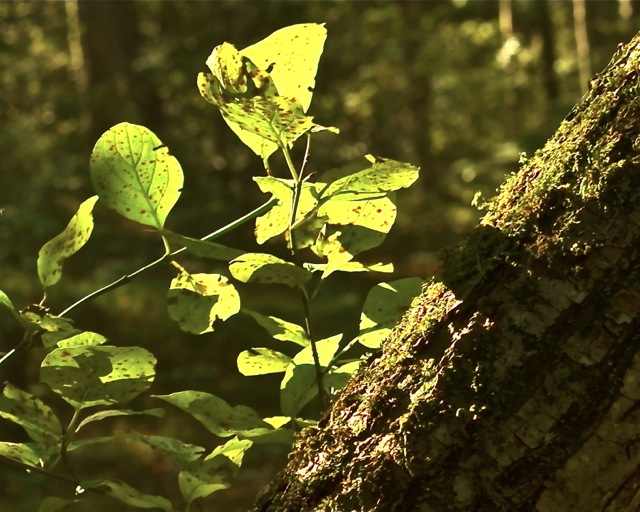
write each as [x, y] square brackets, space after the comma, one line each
[261, 361]
[276, 221]
[32, 414]
[292, 55]
[85, 376]
[264, 90]
[220, 418]
[53, 254]
[135, 175]
[268, 269]
[196, 301]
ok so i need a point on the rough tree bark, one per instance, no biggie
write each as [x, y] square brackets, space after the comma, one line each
[514, 381]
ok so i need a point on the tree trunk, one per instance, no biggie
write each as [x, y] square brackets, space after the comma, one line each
[514, 383]
[109, 43]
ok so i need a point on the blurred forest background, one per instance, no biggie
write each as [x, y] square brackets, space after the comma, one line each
[459, 88]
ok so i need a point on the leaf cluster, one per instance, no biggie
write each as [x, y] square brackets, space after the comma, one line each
[263, 93]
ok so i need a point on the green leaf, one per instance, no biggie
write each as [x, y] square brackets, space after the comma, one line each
[135, 175]
[337, 378]
[55, 328]
[98, 416]
[268, 269]
[275, 435]
[55, 504]
[276, 221]
[127, 494]
[263, 122]
[380, 177]
[83, 339]
[352, 266]
[27, 453]
[266, 109]
[383, 309]
[261, 361]
[340, 244]
[53, 254]
[374, 213]
[6, 301]
[88, 376]
[196, 301]
[277, 421]
[203, 248]
[182, 453]
[294, 53]
[74, 445]
[281, 329]
[215, 472]
[215, 414]
[298, 386]
[32, 414]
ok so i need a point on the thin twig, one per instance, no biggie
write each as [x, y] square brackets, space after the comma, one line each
[170, 256]
[166, 257]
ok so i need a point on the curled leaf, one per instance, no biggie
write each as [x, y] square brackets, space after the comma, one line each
[264, 90]
[54, 253]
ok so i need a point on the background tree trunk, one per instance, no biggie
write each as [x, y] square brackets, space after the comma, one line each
[514, 383]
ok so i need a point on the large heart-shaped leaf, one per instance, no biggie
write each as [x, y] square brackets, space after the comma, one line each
[135, 175]
[292, 55]
[264, 90]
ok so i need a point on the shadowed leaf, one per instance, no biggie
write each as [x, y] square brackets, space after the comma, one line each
[103, 375]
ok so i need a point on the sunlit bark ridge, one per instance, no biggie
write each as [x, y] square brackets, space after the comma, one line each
[514, 381]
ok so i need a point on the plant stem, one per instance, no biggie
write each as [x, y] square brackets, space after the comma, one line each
[292, 168]
[166, 257]
[171, 255]
[306, 303]
[39, 470]
[314, 351]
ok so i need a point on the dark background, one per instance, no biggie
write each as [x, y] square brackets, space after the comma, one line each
[459, 88]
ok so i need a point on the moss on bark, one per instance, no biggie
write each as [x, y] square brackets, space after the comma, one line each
[513, 382]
